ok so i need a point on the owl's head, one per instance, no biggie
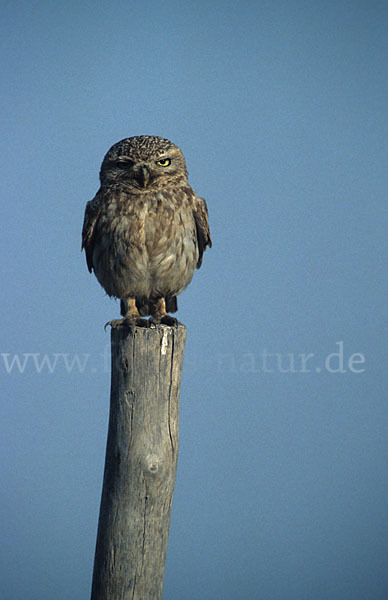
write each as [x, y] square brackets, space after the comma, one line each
[144, 163]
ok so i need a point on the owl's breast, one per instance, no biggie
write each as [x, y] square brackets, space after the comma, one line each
[146, 245]
[170, 237]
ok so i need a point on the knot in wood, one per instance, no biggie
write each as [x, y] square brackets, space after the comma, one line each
[152, 464]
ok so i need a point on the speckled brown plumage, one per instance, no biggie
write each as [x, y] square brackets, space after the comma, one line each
[145, 231]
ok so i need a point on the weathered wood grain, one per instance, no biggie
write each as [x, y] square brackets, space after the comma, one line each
[140, 464]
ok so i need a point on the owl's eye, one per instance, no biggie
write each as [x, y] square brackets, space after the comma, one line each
[164, 162]
[124, 164]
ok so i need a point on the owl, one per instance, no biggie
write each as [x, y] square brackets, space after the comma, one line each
[146, 230]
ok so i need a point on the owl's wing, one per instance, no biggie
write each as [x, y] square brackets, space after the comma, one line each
[202, 226]
[92, 212]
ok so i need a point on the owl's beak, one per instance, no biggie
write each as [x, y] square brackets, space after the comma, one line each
[142, 176]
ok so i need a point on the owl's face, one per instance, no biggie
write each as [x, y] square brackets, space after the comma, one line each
[144, 163]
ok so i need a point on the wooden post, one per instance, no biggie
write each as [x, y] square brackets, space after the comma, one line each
[140, 464]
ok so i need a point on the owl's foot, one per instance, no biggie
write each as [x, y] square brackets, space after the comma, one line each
[131, 316]
[163, 320]
[128, 322]
[160, 315]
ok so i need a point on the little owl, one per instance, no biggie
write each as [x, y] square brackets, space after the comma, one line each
[145, 231]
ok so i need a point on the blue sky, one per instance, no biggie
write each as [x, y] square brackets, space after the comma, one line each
[281, 111]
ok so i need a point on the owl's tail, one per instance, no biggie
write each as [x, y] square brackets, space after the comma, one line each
[171, 304]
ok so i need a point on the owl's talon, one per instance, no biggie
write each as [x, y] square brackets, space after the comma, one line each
[164, 320]
[127, 322]
[171, 321]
